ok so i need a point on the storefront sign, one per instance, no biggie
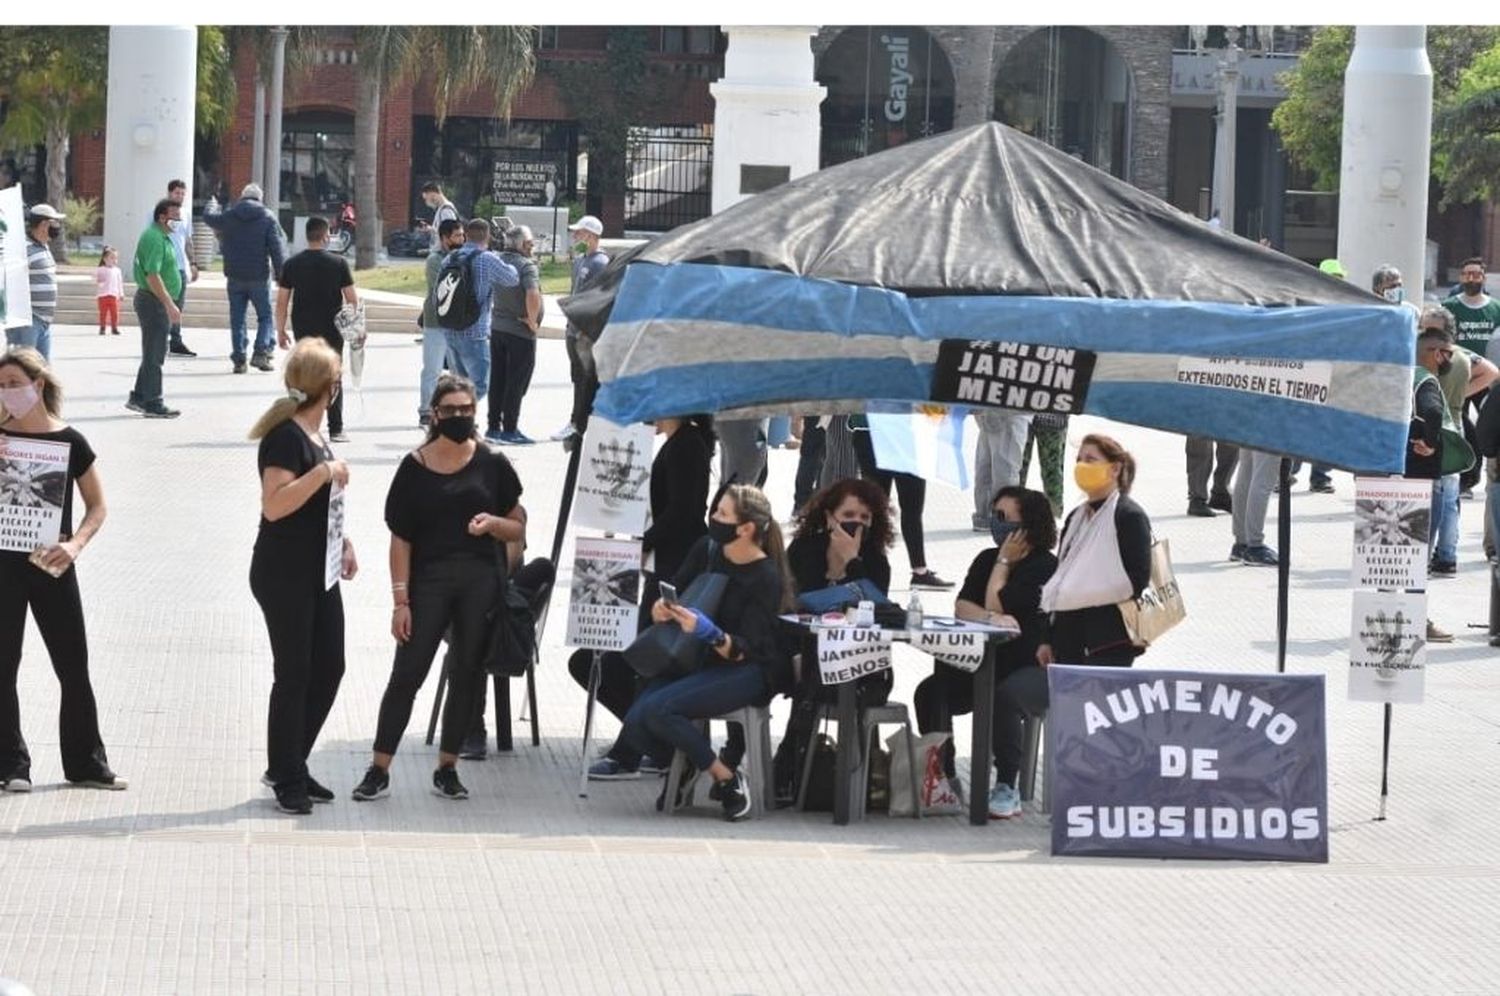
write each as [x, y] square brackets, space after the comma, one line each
[1182, 764]
[1012, 375]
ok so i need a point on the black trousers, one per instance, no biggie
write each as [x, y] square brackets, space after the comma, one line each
[306, 627]
[949, 692]
[512, 360]
[585, 383]
[58, 610]
[454, 592]
[809, 461]
[335, 410]
[1201, 472]
[911, 495]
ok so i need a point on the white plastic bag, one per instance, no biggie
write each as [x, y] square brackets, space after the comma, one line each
[934, 792]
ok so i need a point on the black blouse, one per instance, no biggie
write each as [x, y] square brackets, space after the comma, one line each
[679, 499]
[296, 542]
[808, 559]
[750, 607]
[431, 511]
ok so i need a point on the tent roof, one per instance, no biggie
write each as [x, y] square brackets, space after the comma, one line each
[981, 210]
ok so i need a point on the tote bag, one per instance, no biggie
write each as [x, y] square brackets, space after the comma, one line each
[1159, 607]
[664, 650]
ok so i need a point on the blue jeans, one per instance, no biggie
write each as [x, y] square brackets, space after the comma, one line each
[1445, 519]
[37, 335]
[434, 360]
[471, 359]
[243, 293]
[667, 711]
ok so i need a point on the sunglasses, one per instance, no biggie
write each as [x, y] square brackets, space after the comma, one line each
[455, 411]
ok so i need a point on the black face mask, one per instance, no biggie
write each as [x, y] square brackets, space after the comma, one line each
[723, 533]
[457, 428]
[54, 231]
[1444, 368]
[850, 526]
[1472, 287]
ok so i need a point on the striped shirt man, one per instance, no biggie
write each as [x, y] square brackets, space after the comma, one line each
[43, 271]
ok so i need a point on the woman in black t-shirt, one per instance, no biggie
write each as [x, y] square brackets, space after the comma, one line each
[1003, 587]
[744, 663]
[43, 578]
[295, 572]
[452, 502]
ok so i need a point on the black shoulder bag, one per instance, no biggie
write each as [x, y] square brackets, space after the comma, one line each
[664, 650]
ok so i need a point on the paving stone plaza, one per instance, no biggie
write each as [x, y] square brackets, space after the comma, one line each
[191, 882]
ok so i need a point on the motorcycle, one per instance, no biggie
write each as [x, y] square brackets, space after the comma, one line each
[341, 235]
[414, 242]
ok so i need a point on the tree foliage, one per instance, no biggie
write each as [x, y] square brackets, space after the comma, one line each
[607, 97]
[1466, 132]
[1311, 120]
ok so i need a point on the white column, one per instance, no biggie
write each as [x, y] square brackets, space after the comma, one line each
[1225, 152]
[765, 109]
[258, 150]
[272, 185]
[1386, 155]
[153, 78]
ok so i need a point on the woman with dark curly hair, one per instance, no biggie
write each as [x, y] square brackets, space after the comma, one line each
[1003, 587]
[840, 536]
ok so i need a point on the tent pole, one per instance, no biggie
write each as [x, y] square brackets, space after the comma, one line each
[1385, 762]
[1284, 560]
[570, 481]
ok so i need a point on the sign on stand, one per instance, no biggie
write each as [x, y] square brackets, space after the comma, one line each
[521, 180]
[1388, 647]
[614, 474]
[1183, 764]
[1392, 523]
[602, 603]
[848, 653]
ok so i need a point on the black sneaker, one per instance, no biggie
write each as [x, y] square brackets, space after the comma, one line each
[133, 405]
[1222, 501]
[735, 797]
[446, 784]
[1260, 556]
[375, 785]
[294, 799]
[475, 746]
[1200, 510]
[316, 791]
[160, 410]
[655, 766]
[102, 779]
[1443, 569]
[262, 361]
[181, 350]
[1237, 553]
[1322, 486]
[927, 579]
[240, 367]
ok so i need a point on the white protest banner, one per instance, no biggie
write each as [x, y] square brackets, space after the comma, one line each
[960, 649]
[606, 587]
[614, 475]
[33, 487]
[333, 551]
[847, 653]
[1291, 380]
[1388, 647]
[1392, 522]
[15, 281]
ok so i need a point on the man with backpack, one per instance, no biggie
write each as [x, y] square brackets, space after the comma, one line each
[462, 298]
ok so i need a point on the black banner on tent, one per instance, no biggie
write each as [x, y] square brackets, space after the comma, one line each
[1184, 764]
[1012, 375]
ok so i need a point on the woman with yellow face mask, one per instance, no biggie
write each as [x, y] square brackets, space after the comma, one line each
[1104, 558]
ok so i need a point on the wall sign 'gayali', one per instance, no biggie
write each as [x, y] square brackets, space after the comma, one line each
[1015, 375]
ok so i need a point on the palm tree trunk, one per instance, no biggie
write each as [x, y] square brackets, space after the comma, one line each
[366, 162]
[57, 175]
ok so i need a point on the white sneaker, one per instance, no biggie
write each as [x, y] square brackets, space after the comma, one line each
[16, 784]
[566, 432]
[1005, 802]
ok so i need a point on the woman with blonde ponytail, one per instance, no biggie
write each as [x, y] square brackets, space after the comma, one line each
[304, 615]
[744, 666]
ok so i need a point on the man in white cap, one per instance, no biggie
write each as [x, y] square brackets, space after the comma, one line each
[588, 261]
[43, 223]
[250, 236]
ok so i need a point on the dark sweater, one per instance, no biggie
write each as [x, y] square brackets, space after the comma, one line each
[808, 559]
[1021, 597]
[679, 499]
[749, 610]
[1428, 407]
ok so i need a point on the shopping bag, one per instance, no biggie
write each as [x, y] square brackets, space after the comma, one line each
[934, 791]
[1160, 605]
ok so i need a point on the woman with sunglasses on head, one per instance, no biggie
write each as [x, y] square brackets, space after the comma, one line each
[1104, 558]
[743, 664]
[304, 614]
[45, 580]
[1003, 587]
[451, 506]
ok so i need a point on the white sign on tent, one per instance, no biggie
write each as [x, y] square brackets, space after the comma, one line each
[614, 476]
[15, 287]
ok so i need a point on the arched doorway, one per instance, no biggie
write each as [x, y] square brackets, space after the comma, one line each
[317, 161]
[1072, 89]
[886, 86]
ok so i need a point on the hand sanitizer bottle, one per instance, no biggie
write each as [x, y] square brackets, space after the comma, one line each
[914, 613]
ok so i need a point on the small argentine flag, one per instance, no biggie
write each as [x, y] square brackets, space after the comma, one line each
[925, 440]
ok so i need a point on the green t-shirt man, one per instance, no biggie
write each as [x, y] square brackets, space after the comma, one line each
[1474, 326]
[154, 253]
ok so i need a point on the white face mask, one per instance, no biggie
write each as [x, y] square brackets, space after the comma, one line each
[1395, 295]
[18, 401]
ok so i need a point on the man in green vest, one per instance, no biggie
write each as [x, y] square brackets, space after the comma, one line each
[1476, 316]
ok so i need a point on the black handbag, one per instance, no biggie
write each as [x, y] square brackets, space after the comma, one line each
[512, 642]
[665, 650]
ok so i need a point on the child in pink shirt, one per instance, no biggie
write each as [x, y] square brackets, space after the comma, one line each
[110, 288]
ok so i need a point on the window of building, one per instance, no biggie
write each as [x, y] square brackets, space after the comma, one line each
[689, 41]
[886, 86]
[462, 156]
[546, 39]
[317, 162]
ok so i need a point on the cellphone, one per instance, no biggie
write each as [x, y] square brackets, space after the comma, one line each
[668, 593]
